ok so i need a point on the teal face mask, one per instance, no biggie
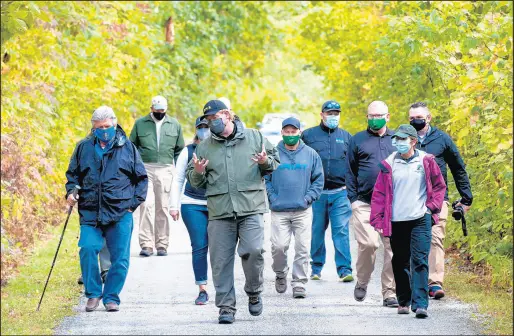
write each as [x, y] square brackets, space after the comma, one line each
[332, 121]
[105, 135]
[403, 146]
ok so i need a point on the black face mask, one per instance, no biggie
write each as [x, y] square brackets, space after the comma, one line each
[158, 116]
[418, 124]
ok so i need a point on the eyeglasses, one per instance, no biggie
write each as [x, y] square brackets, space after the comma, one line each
[376, 116]
[332, 105]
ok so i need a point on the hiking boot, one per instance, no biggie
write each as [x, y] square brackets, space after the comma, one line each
[346, 277]
[92, 304]
[103, 275]
[255, 305]
[421, 313]
[436, 292]
[146, 252]
[80, 281]
[161, 252]
[280, 284]
[315, 276]
[299, 293]
[226, 316]
[359, 293]
[112, 307]
[390, 302]
[403, 310]
[202, 298]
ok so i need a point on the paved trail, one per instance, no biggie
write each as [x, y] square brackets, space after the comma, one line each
[159, 294]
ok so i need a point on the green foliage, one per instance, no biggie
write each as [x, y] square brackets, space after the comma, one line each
[457, 57]
[72, 57]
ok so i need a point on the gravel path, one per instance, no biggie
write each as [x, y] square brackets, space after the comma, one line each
[158, 298]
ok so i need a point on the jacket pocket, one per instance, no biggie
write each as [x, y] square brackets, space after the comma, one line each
[146, 140]
[251, 196]
[216, 189]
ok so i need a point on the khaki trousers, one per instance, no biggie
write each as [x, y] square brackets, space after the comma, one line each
[436, 256]
[155, 208]
[368, 241]
[283, 225]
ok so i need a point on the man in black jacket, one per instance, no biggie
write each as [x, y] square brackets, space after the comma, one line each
[113, 181]
[331, 143]
[366, 150]
[436, 142]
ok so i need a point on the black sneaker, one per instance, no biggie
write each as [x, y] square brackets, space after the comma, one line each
[299, 293]
[226, 316]
[255, 305]
[359, 293]
[161, 252]
[390, 302]
[146, 252]
[103, 275]
[281, 284]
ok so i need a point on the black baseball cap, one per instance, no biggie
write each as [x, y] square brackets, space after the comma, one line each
[291, 121]
[200, 121]
[330, 105]
[405, 131]
[212, 107]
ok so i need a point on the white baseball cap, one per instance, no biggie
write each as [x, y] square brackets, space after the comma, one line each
[226, 102]
[159, 103]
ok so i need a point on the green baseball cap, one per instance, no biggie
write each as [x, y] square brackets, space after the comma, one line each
[405, 131]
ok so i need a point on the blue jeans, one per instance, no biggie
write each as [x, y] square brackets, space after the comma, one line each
[410, 242]
[335, 208]
[196, 219]
[91, 241]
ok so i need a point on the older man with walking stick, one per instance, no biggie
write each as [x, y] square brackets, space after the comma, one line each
[113, 181]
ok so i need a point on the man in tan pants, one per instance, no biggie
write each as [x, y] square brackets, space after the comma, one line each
[365, 151]
[159, 140]
[436, 142]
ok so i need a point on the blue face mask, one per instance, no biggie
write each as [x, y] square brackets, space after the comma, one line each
[332, 121]
[203, 133]
[105, 135]
[217, 126]
[403, 146]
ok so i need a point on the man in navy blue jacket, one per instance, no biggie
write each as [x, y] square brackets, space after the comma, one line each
[331, 143]
[436, 142]
[366, 150]
[292, 187]
[113, 181]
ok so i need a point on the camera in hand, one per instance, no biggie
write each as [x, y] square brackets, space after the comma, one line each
[458, 214]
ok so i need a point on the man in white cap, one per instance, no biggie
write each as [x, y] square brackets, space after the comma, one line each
[159, 139]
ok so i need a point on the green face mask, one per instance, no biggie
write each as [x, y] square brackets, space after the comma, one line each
[376, 124]
[291, 140]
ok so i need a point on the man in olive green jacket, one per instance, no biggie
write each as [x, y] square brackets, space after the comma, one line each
[159, 139]
[230, 165]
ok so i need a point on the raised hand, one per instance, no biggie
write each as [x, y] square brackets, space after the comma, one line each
[262, 157]
[200, 164]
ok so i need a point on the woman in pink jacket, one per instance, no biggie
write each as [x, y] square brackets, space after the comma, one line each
[407, 198]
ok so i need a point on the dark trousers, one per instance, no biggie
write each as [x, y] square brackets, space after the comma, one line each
[224, 235]
[410, 242]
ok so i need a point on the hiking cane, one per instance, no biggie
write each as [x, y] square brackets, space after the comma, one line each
[75, 193]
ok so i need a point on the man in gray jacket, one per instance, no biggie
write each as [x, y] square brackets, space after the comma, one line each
[297, 182]
[230, 165]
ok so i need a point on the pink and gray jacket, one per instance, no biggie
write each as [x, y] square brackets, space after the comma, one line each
[382, 199]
